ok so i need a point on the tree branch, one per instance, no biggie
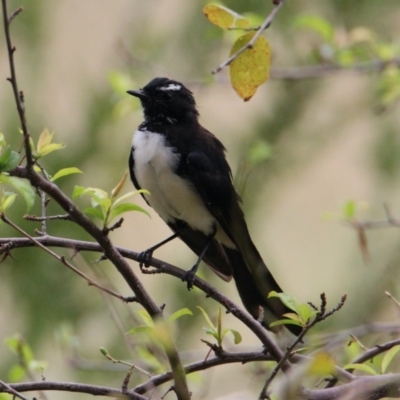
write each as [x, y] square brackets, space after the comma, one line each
[73, 388]
[161, 267]
[18, 95]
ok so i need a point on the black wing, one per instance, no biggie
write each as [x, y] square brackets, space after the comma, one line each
[210, 174]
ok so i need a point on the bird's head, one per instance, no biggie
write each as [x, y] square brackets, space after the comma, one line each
[166, 100]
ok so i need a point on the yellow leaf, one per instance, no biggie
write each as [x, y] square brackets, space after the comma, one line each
[322, 364]
[224, 17]
[251, 68]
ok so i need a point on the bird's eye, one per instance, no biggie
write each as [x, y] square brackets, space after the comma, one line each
[167, 95]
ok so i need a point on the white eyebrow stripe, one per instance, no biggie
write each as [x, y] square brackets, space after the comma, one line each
[171, 86]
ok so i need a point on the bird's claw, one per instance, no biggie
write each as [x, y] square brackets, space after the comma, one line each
[144, 258]
[188, 277]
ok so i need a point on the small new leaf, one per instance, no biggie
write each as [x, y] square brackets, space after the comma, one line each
[178, 314]
[65, 172]
[45, 145]
[251, 68]
[206, 317]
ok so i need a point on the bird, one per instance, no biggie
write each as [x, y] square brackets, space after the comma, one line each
[184, 168]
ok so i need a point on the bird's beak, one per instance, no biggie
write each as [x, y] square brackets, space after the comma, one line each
[137, 93]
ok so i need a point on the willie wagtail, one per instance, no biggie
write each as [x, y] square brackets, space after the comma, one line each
[184, 168]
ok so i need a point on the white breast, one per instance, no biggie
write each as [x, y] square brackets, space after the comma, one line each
[171, 196]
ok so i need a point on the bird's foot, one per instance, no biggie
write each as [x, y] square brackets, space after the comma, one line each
[188, 277]
[144, 258]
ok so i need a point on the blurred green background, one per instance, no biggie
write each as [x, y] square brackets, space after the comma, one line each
[331, 140]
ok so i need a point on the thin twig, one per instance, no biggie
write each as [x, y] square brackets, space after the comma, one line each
[12, 391]
[266, 24]
[73, 387]
[18, 95]
[64, 217]
[62, 259]
[321, 315]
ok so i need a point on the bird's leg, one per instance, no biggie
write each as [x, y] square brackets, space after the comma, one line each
[189, 276]
[144, 256]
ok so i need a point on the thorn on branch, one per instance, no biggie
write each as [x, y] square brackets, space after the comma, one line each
[5, 255]
[171, 389]
[102, 258]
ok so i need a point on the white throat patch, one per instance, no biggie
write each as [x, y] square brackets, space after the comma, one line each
[171, 86]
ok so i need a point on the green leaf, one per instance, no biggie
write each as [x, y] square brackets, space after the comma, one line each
[294, 317]
[388, 357]
[146, 317]
[64, 172]
[125, 207]
[212, 332]
[288, 300]
[130, 194]
[251, 68]
[22, 186]
[224, 17]
[178, 314]
[7, 200]
[94, 212]
[237, 337]
[206, 317]
[361, 367]
[8, 160]
[306, 312]
[318, 24]
[284, 322]
[78, 191]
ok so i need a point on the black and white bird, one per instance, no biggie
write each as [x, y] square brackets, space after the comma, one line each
[184, 168]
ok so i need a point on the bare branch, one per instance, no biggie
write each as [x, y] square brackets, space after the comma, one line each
[73, 388]
[12, 391]
[18, 95]
[62, 259]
